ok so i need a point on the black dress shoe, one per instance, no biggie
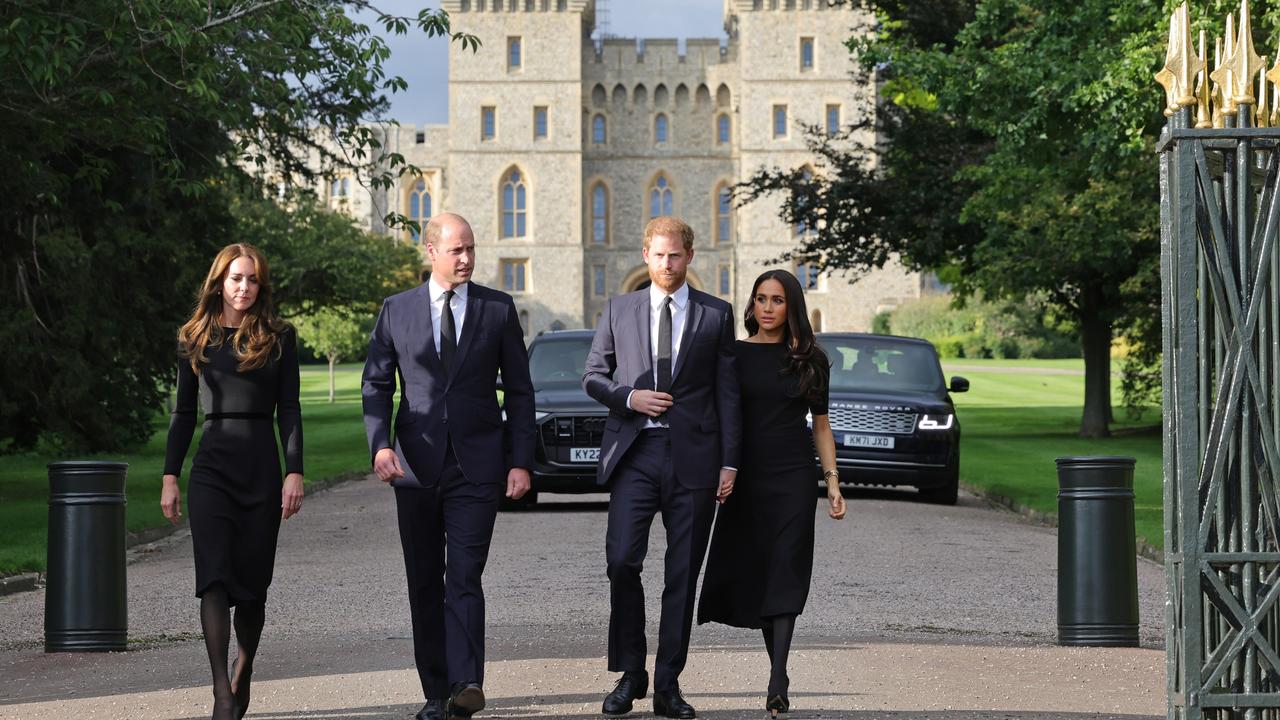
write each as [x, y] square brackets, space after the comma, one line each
[670, 703]
[632, 686]
[433, 710]
[466, 700]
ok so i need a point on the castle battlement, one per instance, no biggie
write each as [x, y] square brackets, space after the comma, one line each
[644, 54]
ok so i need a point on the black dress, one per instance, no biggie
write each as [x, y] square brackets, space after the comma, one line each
[761, 556]
[233, 494]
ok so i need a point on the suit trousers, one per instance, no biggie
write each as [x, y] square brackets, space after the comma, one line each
[644, 485]
[445, 532]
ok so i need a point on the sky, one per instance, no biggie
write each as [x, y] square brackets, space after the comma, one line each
[424, 62]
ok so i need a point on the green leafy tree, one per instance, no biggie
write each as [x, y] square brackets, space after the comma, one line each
[1016, 156]
[123, 128]
[335, 333]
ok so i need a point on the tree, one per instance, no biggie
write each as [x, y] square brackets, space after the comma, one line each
[124, 128]
[1016, 157]
[335, 333]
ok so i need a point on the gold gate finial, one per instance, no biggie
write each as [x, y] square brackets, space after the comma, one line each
[1204, 117]
[1242, 60]
[1187, 64]
[1165, 76]
[1224, 75]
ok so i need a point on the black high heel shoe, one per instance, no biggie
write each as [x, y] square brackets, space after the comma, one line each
[778, 705]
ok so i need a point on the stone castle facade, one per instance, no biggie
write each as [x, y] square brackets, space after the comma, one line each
[559, 150]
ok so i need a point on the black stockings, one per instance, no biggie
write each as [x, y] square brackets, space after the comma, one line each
[777, 632]
[230, 694]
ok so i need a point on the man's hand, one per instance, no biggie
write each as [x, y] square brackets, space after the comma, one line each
[387, 466]
[727, 477]
[651, 403]
[517, 483]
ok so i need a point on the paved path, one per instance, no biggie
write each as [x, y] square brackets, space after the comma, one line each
[917, 612]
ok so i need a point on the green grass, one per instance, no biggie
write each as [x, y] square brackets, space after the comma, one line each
[1014, 424]
[334, 444]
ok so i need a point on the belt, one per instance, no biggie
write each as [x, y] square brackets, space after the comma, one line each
[237, 416]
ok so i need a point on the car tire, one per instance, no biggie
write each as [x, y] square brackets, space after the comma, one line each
[525, 503]
[947, 493]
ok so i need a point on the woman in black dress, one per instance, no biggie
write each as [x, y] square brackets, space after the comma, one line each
[240, 361]
[761, 555]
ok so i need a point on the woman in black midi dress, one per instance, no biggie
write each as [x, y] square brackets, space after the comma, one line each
[240, 364]
[761, 557]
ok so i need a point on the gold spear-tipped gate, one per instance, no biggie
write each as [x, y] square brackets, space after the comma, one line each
[1220, 213]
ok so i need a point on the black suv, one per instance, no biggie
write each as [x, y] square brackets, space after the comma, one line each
[570, 424]
[891, 414]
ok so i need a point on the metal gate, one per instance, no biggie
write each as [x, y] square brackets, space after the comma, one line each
[1219, 215]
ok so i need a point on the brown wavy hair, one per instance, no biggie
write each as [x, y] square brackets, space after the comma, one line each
[256, 340]
[806, 361]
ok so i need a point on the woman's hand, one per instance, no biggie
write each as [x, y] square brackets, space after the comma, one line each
[171, 499]
[291, 496]
[836, 499]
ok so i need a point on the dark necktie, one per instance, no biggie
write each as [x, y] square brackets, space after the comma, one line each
[448, 333]
[664, 346]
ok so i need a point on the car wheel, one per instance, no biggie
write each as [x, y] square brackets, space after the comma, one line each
[948, 492]
[525, 503]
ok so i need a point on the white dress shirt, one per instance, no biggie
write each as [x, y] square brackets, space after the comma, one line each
[459, 305]
[679, 311]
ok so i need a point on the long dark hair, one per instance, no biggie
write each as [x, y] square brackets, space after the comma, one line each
[806, 361]
[257, 339]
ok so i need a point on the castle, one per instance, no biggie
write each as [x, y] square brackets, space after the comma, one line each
[559, 149]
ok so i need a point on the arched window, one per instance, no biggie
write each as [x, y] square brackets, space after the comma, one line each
[419, 208]
[524, 322]
[724, 215]
[660, 197]
[599, 214]
[514, 205]
[816, 320]
[722, 128]
[599, 130]
[660, 128]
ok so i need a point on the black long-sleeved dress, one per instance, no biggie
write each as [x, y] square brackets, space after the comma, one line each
[761, 557]
[233, 492]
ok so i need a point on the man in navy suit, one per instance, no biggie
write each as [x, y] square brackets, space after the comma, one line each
[662, 362]
[452, 454]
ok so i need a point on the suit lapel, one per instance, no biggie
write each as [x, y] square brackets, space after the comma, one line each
[421, 325]
[470, 323]
[642, 329]
[693, 313]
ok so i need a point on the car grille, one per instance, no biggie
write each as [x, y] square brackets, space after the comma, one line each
[873, 421]
[580, 432]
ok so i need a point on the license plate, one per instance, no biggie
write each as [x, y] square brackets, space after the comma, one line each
[584, 455]
[869, 441]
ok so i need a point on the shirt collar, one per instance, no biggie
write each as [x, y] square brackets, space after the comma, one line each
[437, 292]
[678, 298]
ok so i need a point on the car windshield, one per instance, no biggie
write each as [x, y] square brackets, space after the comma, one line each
[558, 362]
[875, 365]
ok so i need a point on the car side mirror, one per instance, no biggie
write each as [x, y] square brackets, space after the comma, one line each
[959, 384]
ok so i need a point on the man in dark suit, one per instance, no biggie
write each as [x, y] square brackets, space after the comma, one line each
[662, 362]
[452, 455]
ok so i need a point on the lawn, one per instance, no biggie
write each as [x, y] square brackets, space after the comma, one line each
[1020, 415]
[334, 445]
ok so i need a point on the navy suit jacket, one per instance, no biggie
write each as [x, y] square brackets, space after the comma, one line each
[705, 419]
[437, 407]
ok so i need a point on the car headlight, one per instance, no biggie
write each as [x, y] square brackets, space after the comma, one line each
[538, 414]
[936, 422]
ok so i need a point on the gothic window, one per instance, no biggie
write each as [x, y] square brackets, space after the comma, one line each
[597, 280]
[515, 275]
[815, 320]
[599, 130]
[514, 205]
[660, 128]
[724, 215]
[724, 281]
[524, 322]
[722, 128]
[599, 214]
[488, 122]
[806, 54]
[419, 208]
[779, 121]
[660, 197]
[514, 58]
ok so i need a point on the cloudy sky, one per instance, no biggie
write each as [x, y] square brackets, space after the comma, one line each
[424, 63]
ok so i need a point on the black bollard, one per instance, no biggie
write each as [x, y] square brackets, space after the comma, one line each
[1097, 553]
[85, 607]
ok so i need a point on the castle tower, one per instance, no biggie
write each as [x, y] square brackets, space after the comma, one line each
[795, 69]
[515, 149]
